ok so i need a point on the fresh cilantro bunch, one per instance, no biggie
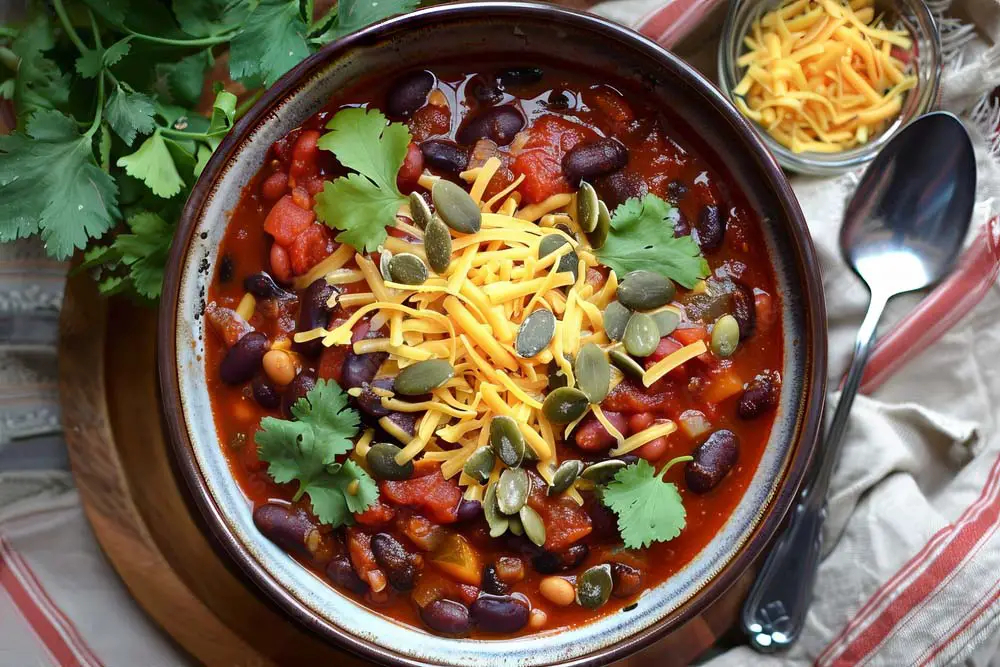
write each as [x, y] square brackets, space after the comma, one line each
[642, 237]
[306, 451]
[648, 509]
[110, 133]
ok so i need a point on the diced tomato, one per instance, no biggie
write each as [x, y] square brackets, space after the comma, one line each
[429, 121]
[359, 548]
[331, 363]
[764, 307]
[467, 594]
[301, 198]
[628, 397]
[304, 154]
[688, 335]
[540, 158]
[227, 323]
[565, 521]
[611, 104]
[281, 265]
[379, 514]
[310, 248]
[411, 169]
[285, 221]
[438, 498]
[274, 186]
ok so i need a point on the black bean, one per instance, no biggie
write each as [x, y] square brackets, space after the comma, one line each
[444, 155]
[491, 582]
[262, 286]
[618, 187]
[405, 421]
[551, 562]
[296, 389]
[340, 572]
[711, 228]
[499, 613]
[408, 93]
[519, 76]
[744, 310]
[370, 402]
[360, 369]
[498, 124]
[676, 191]
[265, 394]
[760, 395]
[626, 580]
[469, 510]
[314, 313]
[226, 269]
[446, 616]
[485, 93]
[592, 159]
[243, 359]
[395, 560]
[290, 529]
[712, 460]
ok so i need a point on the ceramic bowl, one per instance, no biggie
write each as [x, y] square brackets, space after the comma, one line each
[454, 31]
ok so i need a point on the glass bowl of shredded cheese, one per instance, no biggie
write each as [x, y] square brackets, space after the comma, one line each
[828, 82]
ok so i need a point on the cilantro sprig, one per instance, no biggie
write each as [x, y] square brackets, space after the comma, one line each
[648, 509]
[642, 237]
[305, 451]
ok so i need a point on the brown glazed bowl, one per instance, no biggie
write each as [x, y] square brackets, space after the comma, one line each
[455, 31]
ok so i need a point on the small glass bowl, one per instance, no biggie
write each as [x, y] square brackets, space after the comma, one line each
[911, 14]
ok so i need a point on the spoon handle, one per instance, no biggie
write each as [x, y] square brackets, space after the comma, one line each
[775, 610]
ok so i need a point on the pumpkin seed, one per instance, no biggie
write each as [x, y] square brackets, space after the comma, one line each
[602, 472]
[615, 319]
[408, 269]
[456, 207]
[586, 207]
[530, 455]
[626, 364]
[593, 587]
[513, 488]
[437, 245]
[666, 321]
[567, 263]
[565, 475]
[383, 264]
[420, 212]
[641, 335]
[645, 290]
[507, 441]
[568, 231]
[497, 522]
[535, 333]
[600, 233]
[725, 336]
[565, 404]
[480, 465]
[381, 460]
[422, 377]
[515, 525]
[533, 525]
[593, 373]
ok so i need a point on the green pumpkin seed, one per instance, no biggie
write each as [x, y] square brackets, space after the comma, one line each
[626, 364]
[725, 336]
[513, 488]
[615, 319]
[516, 527]
[564, 476]
[408, 269]
[568, 231]
[593, 373]
[600, 233]
[535, 333]
[437, 245]
[565, 404]
[645, 290]
[420, 212]
[666, 321]
[381, 460]
[530, 455]
[602, 472]
[456, 207]
[422, 377]
[533, 525]
[593, 587]
[569, 262]
[641, 335]
[586, 207]
[497, 522]
[383, 264]
[480, 465]
[506, 440]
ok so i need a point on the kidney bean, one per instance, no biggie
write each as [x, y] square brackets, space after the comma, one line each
[244, 358]
[711, 228]
[296, 389]
[469, 510]
[676, 191]
[591, 436]
[761, 395]
[292, 530]
[592, 159]
[626, 580]
[265, 394]
[445, 155]
[406, 421]
[446, 616]
[712, 460]
[262, 286]
[397, 563]
[620, 186]
[498, 124]
[552, 562]
[744, 310]
[483, 92]
[499, 613]
[370, 402]
[360, 369]
[492, 583]
[313, 313]
[408, 93]
[340, 572]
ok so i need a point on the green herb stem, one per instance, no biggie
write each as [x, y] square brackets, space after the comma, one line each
[320, 25]
[9, 59]
[8, 33]
[99, 113]
[672, 462]
[298, 494]
[181, 134]
[200, 41]
[247, 103]
[68, 26]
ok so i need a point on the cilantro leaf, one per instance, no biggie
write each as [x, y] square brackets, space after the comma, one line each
[325, 409]
[649, 509]
[144, 251]
[92, 61]
[40, 83]
[642, 237]
[183, 80]
[330, 492]
[352, 15]
[154, 165]
[130, 113]
[113, 11]
[203, 18]
[51, 185]
[361, 205]
[272, 41]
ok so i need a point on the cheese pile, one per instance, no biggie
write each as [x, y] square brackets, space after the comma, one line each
[821, 76]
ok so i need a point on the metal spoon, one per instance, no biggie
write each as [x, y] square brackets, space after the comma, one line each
[902, 232]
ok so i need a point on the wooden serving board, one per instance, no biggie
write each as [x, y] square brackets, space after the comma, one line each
[152, 534]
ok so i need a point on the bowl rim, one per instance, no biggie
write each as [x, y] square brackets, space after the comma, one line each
[807, 427]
